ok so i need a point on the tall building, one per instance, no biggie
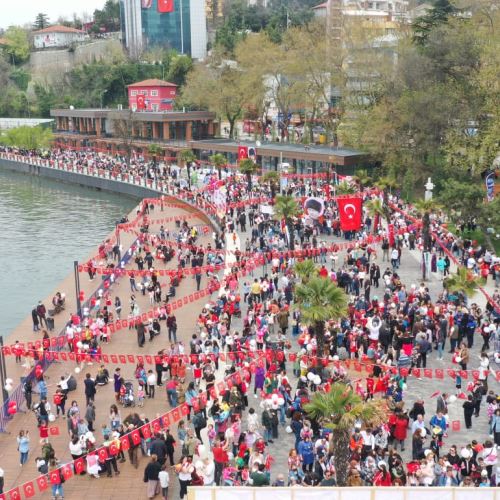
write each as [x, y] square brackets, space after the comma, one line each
[176, 24]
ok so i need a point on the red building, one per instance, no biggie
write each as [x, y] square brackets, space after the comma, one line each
[152, 95]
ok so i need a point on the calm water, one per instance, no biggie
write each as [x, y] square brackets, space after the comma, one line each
[45, 226]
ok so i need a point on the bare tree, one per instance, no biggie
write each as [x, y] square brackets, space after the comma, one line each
[124, 124]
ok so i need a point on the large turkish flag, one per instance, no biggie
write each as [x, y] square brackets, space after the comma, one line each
[242, 152]
[165, 6]
[350, 211]
[141, 103]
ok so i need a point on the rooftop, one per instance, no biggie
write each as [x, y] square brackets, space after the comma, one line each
[284, 147]
[153, 82]
[58, 28]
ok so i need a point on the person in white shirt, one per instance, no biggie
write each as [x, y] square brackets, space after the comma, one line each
[208, 471]
[164, 482]
[151, 381]
[418, 424]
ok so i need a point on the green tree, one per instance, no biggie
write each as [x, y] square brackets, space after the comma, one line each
[186, 157]
[437, 15]
[463, 282]
[179, 67]
[248, 167]
[377, 211]
[218, 87]
[108, 18]
[218, 160]
[362, 178]
[345, 188]
[320, 300]
[422, 206]
[32, 138]
[286, 208]
[154, 151]
[273, 179]
[462, 199]
[41, 21]
[305, 270]
[17, 44]
[339, 410]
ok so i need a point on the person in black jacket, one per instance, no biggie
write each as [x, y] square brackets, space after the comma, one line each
[151, 473]
[90, 390]
[170, 443]
[468, 407]
[158, 447]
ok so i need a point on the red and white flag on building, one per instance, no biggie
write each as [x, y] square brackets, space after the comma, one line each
[165, 6]
[351, 212]
[242, 152]
[141, 102]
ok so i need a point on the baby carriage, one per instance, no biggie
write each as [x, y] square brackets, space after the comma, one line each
[127, 395]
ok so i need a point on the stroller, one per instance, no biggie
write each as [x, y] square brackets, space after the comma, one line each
[127, 396]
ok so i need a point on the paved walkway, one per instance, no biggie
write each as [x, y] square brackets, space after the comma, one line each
[130, 481]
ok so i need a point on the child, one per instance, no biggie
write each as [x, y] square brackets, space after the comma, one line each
[458, 383]
[181, 432]
[211, 435]
[140, 394]
[43, 431]
[197, 374]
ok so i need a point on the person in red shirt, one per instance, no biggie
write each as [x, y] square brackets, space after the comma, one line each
[220, 458]
[382, 477]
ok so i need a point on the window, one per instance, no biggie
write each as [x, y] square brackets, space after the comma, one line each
[144, 92]
[154, 93]
[134, 92]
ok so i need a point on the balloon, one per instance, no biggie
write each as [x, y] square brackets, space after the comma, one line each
[452, 399]
[8, 387]
[281, 401]
[9, 381]
[79, 344]
[289, 430]
[78, 369]
[335, 358]
[11, 410]
[317, 380]
[274, 398]
[310, 376]
[52, 417]
[465, 453]
[309, 347]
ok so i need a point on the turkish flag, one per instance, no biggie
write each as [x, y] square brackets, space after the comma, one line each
[55, 477]
[146, 431]
[141, 103]
[124, 443]
[136, 437]
[156, 425]
[455, 425]
[67, 471]
[29, 489]
[242, 152]
[113, 449]
[176, 415]
[15, 494]
[42, 483]
[102, 453]
[54, 431]
[350, 211]
[165, 6]
[79, 464]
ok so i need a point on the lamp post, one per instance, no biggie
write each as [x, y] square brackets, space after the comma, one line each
[77, 288]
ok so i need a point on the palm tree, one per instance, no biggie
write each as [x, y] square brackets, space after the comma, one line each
[464, 282]
[422, 206]
[154, 151]
[345, 188]
[320, 300]
[218, 160]
[362, 178]
[305, 270]
[377, 210]
[272, 177]
[339, 410]
[186, 157]
[248, 167]
[286, 208]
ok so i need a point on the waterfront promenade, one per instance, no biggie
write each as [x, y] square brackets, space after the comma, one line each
[122, 342]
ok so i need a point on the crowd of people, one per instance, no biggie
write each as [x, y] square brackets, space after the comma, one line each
[251, 331]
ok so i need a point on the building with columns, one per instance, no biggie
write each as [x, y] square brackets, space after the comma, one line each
[108, 130]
